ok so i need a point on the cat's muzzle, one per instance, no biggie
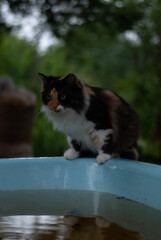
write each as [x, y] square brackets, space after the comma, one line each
[58, 109]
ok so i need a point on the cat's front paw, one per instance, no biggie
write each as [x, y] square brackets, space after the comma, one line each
[103, 157]
[71, 154]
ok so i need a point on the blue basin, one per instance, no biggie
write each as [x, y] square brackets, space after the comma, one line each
[126, 179]
[122, 191]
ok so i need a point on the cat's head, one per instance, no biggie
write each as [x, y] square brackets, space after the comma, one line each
[61, 93]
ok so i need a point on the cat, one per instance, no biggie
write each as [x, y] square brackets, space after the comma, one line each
[96, 121]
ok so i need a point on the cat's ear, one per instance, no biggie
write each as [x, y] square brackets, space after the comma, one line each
[43, 78]
[73, 80]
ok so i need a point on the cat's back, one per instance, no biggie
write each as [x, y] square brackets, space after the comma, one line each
[101, 98]
[109, 110]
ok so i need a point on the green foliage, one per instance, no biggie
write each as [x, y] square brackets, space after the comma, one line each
[18, 59]
[47, 142]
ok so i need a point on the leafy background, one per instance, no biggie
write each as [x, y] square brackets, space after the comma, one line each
[111, 44]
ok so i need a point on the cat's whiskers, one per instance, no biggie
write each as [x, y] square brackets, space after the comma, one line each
[37, 112]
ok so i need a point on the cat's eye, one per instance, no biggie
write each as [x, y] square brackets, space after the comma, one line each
[48, 97]
[63, 97]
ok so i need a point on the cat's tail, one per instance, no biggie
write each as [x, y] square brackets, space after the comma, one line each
[130, 153]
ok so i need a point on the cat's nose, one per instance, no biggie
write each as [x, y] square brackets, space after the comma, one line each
[59, 108]
[52, 107]
[55, 105]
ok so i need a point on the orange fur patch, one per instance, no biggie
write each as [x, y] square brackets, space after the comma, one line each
[53, 103]
[89, 90]
[112, 96]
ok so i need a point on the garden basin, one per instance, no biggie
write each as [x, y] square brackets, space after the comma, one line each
[128, 179]
[123, 191]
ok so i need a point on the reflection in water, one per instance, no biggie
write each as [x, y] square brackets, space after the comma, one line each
[88, 204]
[30, 227]
[58, 228]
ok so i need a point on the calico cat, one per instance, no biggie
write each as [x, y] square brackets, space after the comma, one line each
[95, 120]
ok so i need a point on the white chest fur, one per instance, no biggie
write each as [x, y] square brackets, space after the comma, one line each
[74, 125]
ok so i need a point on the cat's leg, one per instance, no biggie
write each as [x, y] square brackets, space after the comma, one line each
[130, 153]
[103, 140]
[74, 150]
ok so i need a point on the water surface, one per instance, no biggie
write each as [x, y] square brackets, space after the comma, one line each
[51, 227]
[38, 215]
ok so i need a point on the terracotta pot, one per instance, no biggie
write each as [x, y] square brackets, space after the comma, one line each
[16, 123]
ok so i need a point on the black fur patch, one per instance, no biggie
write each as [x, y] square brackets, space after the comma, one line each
[76, 145]
[97, 111]
[108, 146]
[83, 153]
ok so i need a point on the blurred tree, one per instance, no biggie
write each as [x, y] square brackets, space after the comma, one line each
[146, 59]
[63, 15]
[17, 59]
